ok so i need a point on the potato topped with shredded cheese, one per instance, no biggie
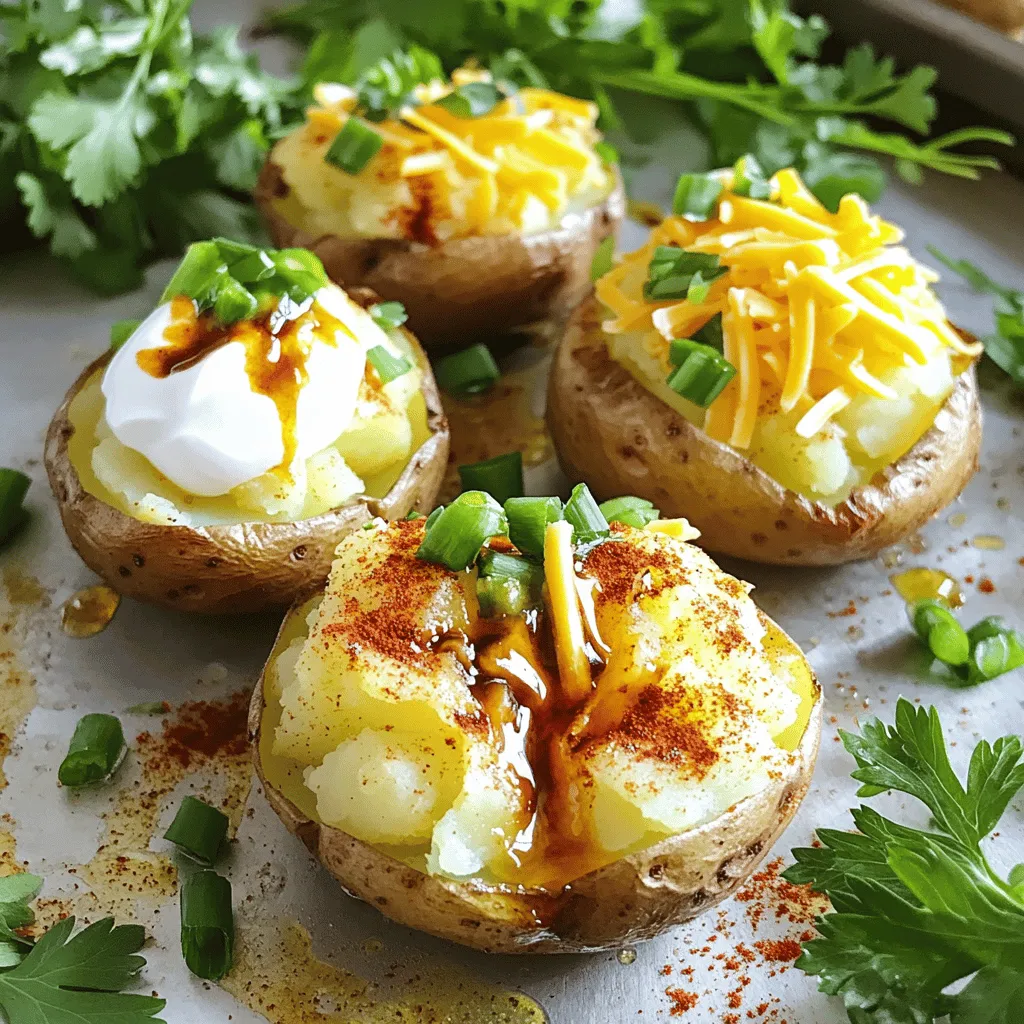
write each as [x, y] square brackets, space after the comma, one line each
[829, 355]
[442, 168]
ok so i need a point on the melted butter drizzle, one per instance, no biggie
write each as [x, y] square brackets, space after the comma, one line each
[277, 346]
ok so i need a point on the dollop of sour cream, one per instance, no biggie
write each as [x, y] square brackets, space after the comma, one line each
[206, 429]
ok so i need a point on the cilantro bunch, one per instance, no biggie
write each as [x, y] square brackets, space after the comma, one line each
[123, 137]
[918, 912]
[746, 72]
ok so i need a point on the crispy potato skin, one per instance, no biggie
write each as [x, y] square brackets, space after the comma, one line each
[1004, 15]
[240, 567]
[614, 434]
[637, 897]
[466, 287]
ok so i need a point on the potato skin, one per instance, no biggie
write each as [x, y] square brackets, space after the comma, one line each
[634, 898]
[233, 568]
[464, 288]
[611, 432]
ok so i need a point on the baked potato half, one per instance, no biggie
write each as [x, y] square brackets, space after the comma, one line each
[611, 431]
[476, 221]
[224, 567]
[400, 751]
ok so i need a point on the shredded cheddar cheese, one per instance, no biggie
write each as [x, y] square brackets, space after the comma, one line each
[519, 168]
[820, 311]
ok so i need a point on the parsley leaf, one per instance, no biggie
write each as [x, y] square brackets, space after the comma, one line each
[79, 978]
[916, 911]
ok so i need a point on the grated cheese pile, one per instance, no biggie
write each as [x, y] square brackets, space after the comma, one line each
[819, 311]
[519, 168]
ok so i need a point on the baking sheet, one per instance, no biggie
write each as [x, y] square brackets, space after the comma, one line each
[306, 951]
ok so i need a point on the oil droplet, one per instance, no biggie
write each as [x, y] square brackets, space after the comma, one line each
[1004, 504]
[626, 956]
[892, 557]
[922, 584]
[989, 542]
[957, 519]
[89, 611]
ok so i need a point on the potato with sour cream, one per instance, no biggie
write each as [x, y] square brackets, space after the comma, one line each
[472, 207]
[213, 459]
[781, 374]
[535, 767]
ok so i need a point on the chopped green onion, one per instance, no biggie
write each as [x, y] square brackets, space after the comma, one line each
[749, 180]
[474, 99]
[528, 520]
[207, 924]
[149, 707]
[353, 147]
[582, 511]
[696, 196]
[247, 266]
[607, 152]
[635, 512]
[697, 290]
[389, 367]
[234, 301]
[299, 273]
[938, 627]
[455, 537]
[121, 331]
[432, 517]
[469, 372]
[604, 257]
[672, 272]
[388, 315]
[198, 830]
[96, 749]
[413, 514]
[710, 333]
[501, 477]
[701, 373]
[13, 488]
[991, 625]
[196, 274]
[508, 584]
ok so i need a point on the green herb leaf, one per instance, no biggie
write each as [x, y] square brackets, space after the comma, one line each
[604, 258]
[474, 99]
[353, 147]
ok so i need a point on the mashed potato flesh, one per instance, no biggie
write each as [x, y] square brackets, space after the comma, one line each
[444, 737]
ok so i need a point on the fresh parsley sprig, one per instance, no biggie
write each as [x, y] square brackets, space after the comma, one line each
[916, 911]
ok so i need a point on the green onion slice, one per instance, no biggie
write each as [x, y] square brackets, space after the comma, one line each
[697, 290]
[673, 272]
[196, 274]
[501, 477]
[432, 517]
[389, 367]
[710, 333]
[696, 196]
[121, 331]
[508, 584]
[353, 147]
[528, 519]
[749, 180]
[388, 315]
[701, 373]
[469, 372]
[474, 99]
[198, 830]
[13, 488]
[635, 512]
[299, 273]
[938, 627]
[455, 536]
[96, 749]
[588, 522]
[604, 257]
[233, 301]
[607, 152]
[207, 924]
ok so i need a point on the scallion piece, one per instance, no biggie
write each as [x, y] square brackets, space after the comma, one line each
[938, 627]
[389, 367]
[604, 257]
[710, 333]
[121, 331]
[501, 477]
[207, 924]
[749, 180]
[607, 152]
[697, 290]
[696, 196]
[198, 830]
[583, 512]
[233, 301]
[528, 519]
[196, 274]
[508, 584]
[13, 488]
[474, 99]
[673, 272]
[388, 315]
[96, 749]
[469, 372]
[299, 273]
[701, 373]
[455, 537]
[432, 517]
[635, 512]
[353, 147]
